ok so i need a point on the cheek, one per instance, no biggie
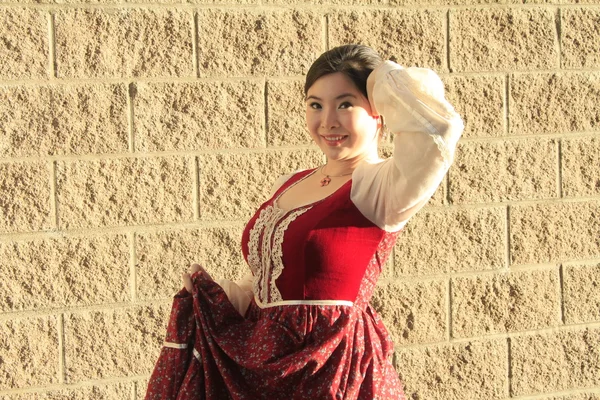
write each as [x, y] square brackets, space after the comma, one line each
[364, 124]
[312, 122]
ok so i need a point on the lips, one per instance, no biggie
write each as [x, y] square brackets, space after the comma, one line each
[334, 140]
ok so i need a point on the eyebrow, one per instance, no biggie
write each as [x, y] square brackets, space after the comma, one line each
[337, 98]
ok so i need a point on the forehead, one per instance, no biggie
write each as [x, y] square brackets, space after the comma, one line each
[331, 85]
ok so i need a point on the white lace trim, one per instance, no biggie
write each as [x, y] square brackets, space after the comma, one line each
[444, 150]
[277, 256]
[265, 250]
[175, 345]
[304, 303]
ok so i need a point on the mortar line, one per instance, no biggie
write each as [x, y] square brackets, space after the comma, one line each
[504, 335]
[562, 292]
[95, 231]
[449, 309]
[507, 238]
[196, 188]
[447, 41]
[78, 385]
[266, 113]
[509, 367]
[447, 187]
[326, 32]
[568, 392]
[52, 46]
[252, 78]
[559, 177]
[131, 90]
[559, 36]
[73, 309]
[61, 349]
[134, 390]
[53, 196]
[506, 104]
[132, 266]
[275, 149]
[195, 44]
[274, 7]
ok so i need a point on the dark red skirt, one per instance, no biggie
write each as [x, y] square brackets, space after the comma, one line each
[284, 352]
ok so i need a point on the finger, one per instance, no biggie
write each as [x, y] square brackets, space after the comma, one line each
[198, 267]
[187, 282]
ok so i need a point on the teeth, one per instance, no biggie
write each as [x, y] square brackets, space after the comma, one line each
[333, 139]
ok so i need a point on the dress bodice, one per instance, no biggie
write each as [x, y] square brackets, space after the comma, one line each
[318, 252]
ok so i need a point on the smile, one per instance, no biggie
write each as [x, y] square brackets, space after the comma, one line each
[334, 139]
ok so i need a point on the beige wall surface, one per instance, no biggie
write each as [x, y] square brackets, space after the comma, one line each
[137, 137]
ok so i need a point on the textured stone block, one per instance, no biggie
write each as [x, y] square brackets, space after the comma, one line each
[503, 39]
[116, 391]
[271, 42]
[510, 170]
[472, 370]
[218, 2]
[125, 191]
[232, 186]
[63, 119]
[574, 396]
[117, 343]
[25, 197]
[63, 272]
[480, 102]
[555, 361]
[199, 116]
[580, 36]
[407, 37]
[23, 44]
[163, 256]
[29, 349]
[554, 103]
[95, 43]
[580, 173]
[73, 2]
[286, 121]
[581, 291]
[453, 240]
[410, 2]
[553, 232]
[516, 301]
[413, 312]
[142, 386]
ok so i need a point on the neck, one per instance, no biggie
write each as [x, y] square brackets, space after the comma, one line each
[342, 167]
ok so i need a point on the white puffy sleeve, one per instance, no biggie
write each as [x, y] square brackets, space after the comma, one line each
[426, 129]
[239, 292]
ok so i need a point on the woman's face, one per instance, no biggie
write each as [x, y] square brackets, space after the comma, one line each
[339, 118]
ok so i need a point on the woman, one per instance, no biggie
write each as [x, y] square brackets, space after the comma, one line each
[301, 326]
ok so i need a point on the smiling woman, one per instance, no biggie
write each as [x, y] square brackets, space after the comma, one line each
[300, 325]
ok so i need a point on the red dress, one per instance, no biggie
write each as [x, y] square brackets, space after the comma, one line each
[309, 331]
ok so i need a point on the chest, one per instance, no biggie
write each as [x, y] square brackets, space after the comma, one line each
[308, 190]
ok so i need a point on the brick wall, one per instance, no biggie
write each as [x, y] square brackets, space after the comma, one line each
[137, 137]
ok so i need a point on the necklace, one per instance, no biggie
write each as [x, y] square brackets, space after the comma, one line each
[325, 181]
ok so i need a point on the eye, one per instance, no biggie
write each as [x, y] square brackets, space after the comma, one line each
[345, 105]
[315, 106]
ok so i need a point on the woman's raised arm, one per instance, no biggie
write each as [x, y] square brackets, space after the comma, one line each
[426, 129]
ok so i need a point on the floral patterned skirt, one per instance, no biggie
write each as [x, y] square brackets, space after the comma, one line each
[283, 352]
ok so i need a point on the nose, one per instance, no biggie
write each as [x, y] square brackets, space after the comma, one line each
[329, 119]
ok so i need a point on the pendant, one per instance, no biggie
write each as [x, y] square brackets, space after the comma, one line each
[325, 181]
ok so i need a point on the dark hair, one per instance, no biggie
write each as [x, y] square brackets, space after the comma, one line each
[356, 61]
